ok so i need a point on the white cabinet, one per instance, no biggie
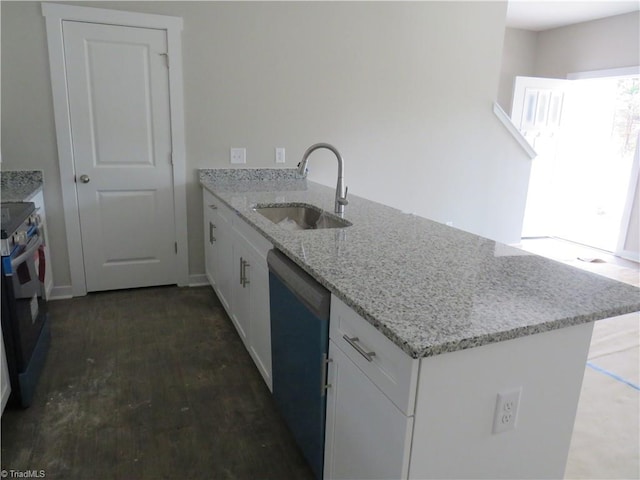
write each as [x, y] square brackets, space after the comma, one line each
[236, 266]
[260, 345]
[210, 245]
[224, 238]
[250, 313]
[370, 402]
[367, 436]
[392, 370]
[250, 306]
[218, 241]
[241, 291]
[391, 416]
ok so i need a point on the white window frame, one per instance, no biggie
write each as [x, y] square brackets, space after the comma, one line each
[54, 15]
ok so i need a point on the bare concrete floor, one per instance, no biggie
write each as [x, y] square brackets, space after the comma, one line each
[606, 436]
[149, 384]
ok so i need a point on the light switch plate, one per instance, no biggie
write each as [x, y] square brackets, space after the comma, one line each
[238, 155]
[280, 155]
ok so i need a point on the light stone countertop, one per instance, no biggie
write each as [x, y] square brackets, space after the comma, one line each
[20, 185]
[428, 287]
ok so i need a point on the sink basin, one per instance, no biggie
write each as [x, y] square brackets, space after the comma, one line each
[300, 216]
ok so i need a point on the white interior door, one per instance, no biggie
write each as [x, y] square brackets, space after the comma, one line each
[118, 92]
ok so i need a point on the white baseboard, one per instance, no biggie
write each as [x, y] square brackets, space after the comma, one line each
[629, 255]
[65, 291]
[60, 293]
[198, 280]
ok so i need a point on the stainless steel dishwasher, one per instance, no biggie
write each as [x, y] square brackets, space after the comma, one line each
[299, 344]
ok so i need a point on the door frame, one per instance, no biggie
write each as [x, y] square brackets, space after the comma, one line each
[634, 175]
[54, 15]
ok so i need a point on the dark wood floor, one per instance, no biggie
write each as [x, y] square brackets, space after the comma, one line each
[149, 383]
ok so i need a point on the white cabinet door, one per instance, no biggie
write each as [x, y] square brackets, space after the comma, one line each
[224, 246]
[260, 336]
[241, 298]
[210, 246]
[367, 436]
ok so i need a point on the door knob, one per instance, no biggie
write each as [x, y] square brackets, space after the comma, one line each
[85, 178]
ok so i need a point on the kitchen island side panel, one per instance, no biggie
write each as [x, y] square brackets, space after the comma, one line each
[456, 403]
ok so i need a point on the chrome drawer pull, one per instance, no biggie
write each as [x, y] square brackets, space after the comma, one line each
[213, 207]
[352, 341]
[211, 237]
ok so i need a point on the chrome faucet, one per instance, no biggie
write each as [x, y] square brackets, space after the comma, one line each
[341, 190]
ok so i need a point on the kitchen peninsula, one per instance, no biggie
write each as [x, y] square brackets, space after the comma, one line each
[462, 322]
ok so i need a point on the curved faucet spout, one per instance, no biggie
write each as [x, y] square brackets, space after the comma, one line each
[341, 190]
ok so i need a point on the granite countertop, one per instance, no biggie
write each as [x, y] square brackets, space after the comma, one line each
[428, 287]
[20, 185]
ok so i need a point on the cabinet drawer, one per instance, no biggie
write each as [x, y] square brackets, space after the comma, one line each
[389, 368]
[217, 206]
[209, 199]
[260, 244]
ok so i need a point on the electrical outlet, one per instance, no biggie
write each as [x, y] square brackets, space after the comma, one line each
[238, 155]
[280, 155]
[506, 413]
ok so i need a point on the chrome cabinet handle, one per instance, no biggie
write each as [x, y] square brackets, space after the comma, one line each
[352, 341]
[85, 178]
[213, 207]
[245, 279]
[323, 377]
[211, 237]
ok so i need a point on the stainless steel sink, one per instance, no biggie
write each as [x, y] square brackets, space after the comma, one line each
[300, 216]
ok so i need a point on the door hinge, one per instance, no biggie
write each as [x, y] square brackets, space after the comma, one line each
[166, 58]
[175, 245]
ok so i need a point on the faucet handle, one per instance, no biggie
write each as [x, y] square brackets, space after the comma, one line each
[343, 200]
[302, 168]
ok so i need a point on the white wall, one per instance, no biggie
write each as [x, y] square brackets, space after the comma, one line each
[598, 45]
[404, 90]
[518, 58]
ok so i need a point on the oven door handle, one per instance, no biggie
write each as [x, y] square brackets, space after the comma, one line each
[32, 246]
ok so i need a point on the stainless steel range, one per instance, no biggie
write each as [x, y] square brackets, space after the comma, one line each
[25, 325]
